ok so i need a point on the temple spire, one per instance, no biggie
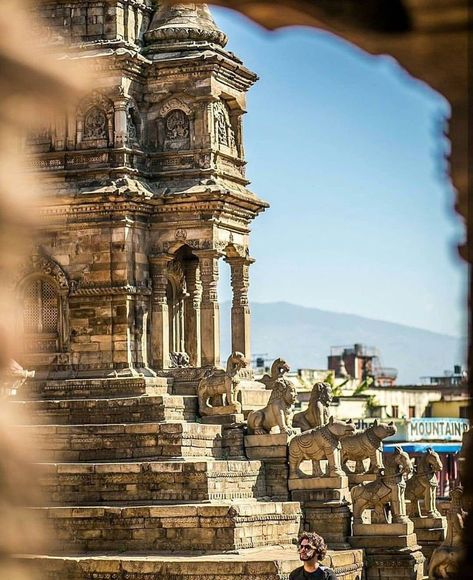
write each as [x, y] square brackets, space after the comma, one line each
[184, 23]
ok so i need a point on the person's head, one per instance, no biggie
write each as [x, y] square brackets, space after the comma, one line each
[311, 546]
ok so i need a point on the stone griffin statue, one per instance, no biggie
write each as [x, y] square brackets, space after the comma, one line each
[423, 485]
[444, 560]
[388, 488]
[367, 445]
[277, 413]
[318, 444]
[278, 369]
[219, 383]
[317, 412]
[179, 360]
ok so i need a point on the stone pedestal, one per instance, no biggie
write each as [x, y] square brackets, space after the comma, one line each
[430, 534]
[325, 503]
[223, 419]
[271, 449]
[391, 550]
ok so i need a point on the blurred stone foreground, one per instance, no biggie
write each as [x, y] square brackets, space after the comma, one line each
[29, 88]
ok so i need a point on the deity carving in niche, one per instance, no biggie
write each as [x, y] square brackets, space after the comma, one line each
[176, 130]
[95, 124]
[131, 126]
[224, 132]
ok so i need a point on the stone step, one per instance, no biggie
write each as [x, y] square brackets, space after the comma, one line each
[156, 481]
[101, 411]
[95, 388]
[270, 563]
[218, 527]
[75, 443]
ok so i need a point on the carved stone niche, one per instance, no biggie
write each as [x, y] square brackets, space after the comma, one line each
[174, 127]
[95, 122]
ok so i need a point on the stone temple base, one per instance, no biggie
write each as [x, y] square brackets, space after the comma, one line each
[271, 564]
[391, 551]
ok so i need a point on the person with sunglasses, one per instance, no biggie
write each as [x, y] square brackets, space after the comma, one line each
[312, 549]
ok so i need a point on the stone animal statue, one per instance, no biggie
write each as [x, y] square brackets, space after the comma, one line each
[367, 445]
[388, 488]
[221, 383]
[423, 485]
[444, 560]
[317, 412]
[278, 369]
[317, 444]
[277, 413]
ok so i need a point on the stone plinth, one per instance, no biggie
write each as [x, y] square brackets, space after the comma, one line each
[314, 483]
[265, 447]
[230, 419]
[272, 451]
[325, 507]
[392, 550]
[430, 533]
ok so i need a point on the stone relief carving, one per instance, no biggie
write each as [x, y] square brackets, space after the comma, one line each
[445, 558]
[95, 124]
[317, 412]
[423, 485]
[277, 413]
[316, 445]
[367, 445]
[176, 131]
[278, 369]
[224, 133]
[179, 360]
[388, 489]
[216, 390]
[39, 263]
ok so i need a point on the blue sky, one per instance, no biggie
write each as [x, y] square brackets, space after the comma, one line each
[347, 148]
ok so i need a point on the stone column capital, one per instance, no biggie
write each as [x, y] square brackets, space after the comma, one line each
[239, 260]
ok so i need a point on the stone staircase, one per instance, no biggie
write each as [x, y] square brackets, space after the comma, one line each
[135, 488]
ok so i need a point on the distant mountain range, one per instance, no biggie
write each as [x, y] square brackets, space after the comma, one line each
[303, 336]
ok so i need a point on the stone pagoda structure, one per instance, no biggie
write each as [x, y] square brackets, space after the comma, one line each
[147, 194]
[144, 469]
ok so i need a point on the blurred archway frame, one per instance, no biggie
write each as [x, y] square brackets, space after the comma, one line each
[429, 38]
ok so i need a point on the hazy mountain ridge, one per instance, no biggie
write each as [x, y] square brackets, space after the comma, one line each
[303, 336]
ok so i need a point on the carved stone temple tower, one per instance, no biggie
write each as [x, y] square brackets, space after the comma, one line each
[147, 194]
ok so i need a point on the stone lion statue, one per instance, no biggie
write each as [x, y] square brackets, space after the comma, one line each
[317, 444]
[277, 413]
[423, 485]
[278, 369]
[220, 384]
[317, 413]
[367, 445]
[388, 489]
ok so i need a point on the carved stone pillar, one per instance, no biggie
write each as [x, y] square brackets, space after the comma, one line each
[193, 320]
[121, 130]
[209, 310]
[240, 306]
[159, 313]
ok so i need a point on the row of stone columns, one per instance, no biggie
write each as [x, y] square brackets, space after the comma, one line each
[202, 336]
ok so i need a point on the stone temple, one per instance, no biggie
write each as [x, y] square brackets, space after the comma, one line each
[156, 462]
